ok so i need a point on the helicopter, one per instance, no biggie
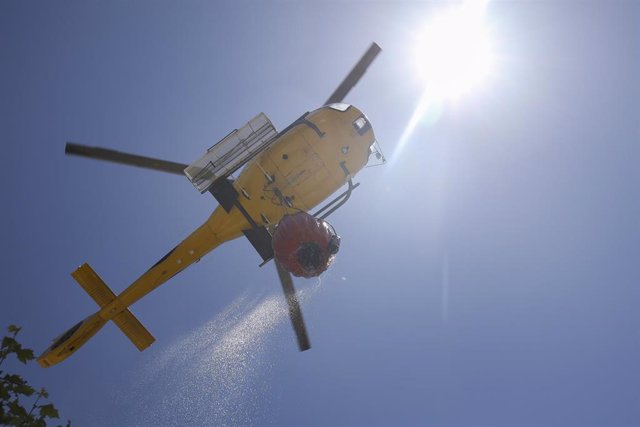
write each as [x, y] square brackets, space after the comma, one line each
[282, 176]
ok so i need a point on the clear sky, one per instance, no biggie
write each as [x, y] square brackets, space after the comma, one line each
[488, 276]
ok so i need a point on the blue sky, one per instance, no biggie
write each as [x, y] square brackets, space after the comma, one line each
[487, 277]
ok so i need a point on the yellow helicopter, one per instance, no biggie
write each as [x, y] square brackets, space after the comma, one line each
[285, 173]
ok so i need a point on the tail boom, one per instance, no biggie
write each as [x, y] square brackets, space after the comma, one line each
[219, 228]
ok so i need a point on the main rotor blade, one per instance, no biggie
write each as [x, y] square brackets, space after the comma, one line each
[294, 307]
[355, 75]
[124, 158]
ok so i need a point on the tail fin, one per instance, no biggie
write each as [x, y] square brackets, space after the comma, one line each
[93, 285]
[102, 295]
[70, 341]
[134, 330]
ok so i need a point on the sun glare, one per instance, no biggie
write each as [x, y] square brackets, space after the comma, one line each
[452, 52]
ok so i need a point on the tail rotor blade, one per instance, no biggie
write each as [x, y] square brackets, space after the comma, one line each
[294, 308]
[124, 158]
[355, 75]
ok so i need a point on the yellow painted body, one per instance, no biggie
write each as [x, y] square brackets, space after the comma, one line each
[304, 166]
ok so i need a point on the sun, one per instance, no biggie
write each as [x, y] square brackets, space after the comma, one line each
[452, 52]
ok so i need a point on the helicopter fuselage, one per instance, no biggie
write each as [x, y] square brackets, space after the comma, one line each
[308, 162]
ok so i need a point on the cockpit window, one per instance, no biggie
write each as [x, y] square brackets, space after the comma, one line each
[339, 107]
[362, 125]
[376, 158]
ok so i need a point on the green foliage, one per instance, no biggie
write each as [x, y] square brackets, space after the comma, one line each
[15, 390]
